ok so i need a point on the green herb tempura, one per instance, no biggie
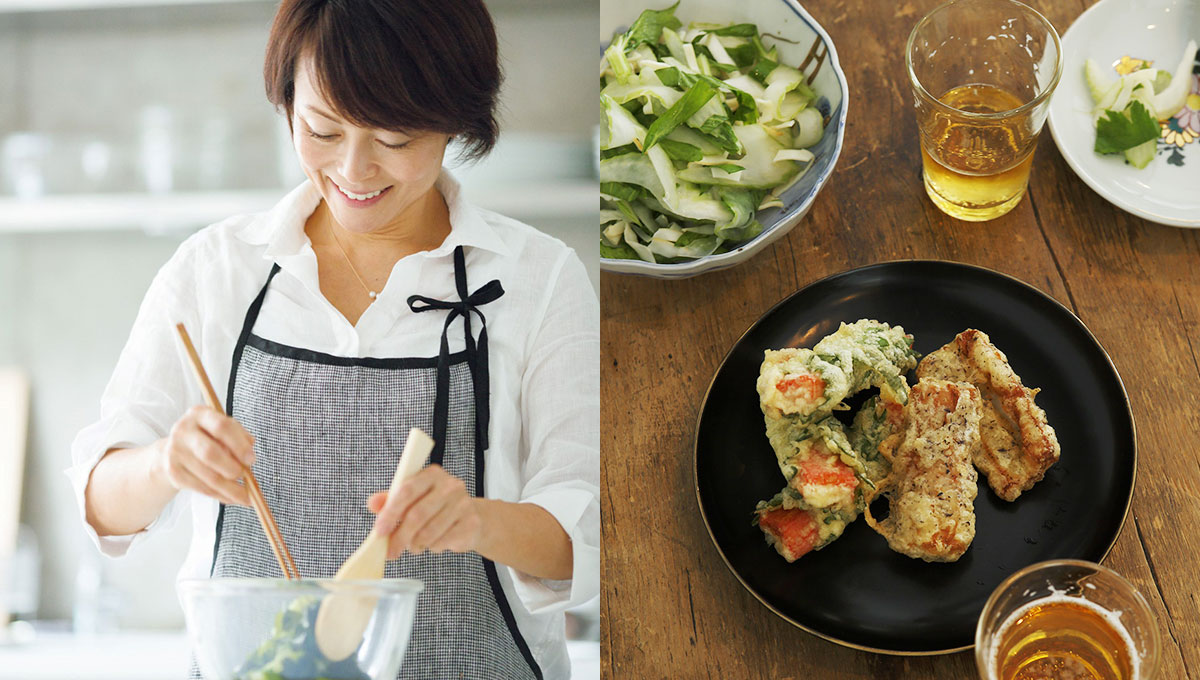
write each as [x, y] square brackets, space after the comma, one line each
[704, 127]
[291, 652]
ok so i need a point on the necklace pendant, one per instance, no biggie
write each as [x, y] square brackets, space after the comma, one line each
[372, 293]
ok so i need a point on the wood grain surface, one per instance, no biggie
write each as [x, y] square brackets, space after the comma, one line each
[670, 607]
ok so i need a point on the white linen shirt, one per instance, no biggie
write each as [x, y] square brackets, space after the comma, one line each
[544, 365]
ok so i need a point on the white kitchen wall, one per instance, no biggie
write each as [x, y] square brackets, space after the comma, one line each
[68, 297]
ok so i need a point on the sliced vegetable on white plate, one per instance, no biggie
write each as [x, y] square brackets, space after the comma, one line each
[1128, 109]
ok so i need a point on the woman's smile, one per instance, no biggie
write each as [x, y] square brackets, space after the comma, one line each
[360, 200]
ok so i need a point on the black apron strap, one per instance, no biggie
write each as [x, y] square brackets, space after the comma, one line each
[477, 354]
[247, 327]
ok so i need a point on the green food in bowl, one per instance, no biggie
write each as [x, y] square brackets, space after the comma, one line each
[291, 652]
[704, 127]
[245, 628]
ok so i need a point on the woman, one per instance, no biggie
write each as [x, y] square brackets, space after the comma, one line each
[370, 300]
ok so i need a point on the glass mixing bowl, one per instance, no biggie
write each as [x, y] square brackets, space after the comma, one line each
[262, 629]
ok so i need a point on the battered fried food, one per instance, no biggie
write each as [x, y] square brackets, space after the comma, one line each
[871, 354]
[809, 452]
[798, 391]
[1017, 445]
[795, 381]
[932, 485]
[794, 528]
[877, 421]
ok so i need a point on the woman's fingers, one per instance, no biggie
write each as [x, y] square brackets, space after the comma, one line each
[375, 501]
[432, 510]
[455, 529]
[411, 491]
[184, 478]
[228, 490]
[210, 453]
[199, 460]
[427, 520]
[228, 432]
[434, 513]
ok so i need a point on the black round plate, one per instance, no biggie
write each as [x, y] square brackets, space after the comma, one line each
[857, 591]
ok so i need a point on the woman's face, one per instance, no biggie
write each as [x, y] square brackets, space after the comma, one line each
[369, 178]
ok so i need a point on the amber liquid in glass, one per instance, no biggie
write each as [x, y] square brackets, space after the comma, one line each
[1063, 639]
[977, 170]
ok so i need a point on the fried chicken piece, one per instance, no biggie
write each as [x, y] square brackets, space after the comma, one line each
[1017, 445]
[932, 485]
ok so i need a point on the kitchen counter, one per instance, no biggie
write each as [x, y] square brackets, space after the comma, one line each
[155, 655]
[145, 655]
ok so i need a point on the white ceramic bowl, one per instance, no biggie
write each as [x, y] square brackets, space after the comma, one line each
[1157, 30]
[779, 17]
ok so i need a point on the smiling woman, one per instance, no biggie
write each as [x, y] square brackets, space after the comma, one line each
[330, 321]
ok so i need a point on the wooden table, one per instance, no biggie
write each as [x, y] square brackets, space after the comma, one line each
[671, 608]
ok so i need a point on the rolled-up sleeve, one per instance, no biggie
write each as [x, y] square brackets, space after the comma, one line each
[146, 394]
[560, 406]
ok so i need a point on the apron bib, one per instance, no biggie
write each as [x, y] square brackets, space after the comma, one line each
[328, 433]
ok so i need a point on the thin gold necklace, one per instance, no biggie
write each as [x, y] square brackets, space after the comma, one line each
[333, 232]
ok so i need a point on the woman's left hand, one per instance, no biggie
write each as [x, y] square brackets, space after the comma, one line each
[430, 511]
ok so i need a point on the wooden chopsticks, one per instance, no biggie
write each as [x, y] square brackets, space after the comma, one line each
[274, 537]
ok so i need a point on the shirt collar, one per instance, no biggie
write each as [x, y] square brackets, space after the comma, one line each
[281, 229]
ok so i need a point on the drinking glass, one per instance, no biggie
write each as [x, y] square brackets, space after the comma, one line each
[1066, 619]
[982, 72]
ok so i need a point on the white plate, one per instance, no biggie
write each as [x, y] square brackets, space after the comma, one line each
[1156, 30]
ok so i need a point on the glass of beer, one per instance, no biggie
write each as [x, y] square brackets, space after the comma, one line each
[982, 72]
[1066, 620]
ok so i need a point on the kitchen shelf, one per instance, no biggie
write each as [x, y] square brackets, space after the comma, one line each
[188, 211]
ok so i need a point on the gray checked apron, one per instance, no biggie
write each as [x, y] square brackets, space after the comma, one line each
[328, 433]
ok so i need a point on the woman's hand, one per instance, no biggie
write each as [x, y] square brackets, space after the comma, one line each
[430, 511]
[205, 452]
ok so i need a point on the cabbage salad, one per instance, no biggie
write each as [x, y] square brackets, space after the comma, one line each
[1128, 110]
[703, 128]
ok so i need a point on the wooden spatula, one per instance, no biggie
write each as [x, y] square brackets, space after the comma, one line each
[342, 618]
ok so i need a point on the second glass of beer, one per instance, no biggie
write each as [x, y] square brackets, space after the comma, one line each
[1068, 620]
[982, 72]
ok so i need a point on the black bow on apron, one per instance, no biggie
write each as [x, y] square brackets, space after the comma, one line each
[464, 307]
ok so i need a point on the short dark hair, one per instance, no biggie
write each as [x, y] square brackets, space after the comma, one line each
[404, 65]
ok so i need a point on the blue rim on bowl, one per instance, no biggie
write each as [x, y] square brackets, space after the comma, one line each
[797, 200]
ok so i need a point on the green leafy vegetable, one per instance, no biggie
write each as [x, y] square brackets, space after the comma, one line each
[1128, 109]
[681, 151]
[691, 102]
[621, 190]
[291, 652]
[649, 26]
[628, 148]
[1116, 132]
[621, 252]
[743, 30]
